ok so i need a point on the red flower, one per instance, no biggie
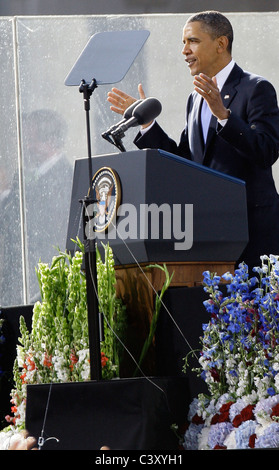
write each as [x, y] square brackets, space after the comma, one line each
[226, 406]
[215, 419]
[245, 415]
[275, 410]
[223, 417]
[215, 374]
[220, 417]
[73, 359]
[47, 361]
[237, 421]
[30, 364]
[224, 414]
[104, 359]
[197, 419]
[252, 439]
[23, 377]
[10, 419]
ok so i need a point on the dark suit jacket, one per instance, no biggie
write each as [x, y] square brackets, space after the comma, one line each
[246, 148]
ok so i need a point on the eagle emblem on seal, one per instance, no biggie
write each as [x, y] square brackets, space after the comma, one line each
[106, 193]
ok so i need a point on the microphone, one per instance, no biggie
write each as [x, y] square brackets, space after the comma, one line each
[144, 112]
[126, 115]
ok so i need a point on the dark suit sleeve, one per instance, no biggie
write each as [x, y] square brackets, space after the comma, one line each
[255, 131]
[157, 138]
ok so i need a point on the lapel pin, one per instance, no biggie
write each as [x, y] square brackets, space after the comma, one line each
[226, 97]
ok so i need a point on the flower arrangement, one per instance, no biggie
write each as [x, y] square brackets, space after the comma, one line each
[57, 349]
[239, 362]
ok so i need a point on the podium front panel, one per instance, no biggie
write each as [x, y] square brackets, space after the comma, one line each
[166, 200]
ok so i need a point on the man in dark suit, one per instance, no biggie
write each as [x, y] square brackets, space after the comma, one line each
[232, 125]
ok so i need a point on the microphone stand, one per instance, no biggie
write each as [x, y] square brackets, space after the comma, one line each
[114, 140]
[90, 254]
[118, 143]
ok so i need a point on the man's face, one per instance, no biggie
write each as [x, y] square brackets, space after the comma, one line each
[200, 50]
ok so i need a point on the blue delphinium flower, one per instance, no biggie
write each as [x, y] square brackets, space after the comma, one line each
[211, 306]
[240, 352]
[211, 279]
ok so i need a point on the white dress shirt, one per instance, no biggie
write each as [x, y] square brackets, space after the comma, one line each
[206, 114]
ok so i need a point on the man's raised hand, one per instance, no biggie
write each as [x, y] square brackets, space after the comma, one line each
[120, 101]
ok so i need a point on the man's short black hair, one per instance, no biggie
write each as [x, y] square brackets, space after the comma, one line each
[215, 24]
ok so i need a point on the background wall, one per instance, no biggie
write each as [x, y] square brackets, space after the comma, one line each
[120, 7]
[43, 128]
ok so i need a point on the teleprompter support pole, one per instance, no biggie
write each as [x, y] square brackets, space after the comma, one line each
[90, 254]
[93, 310]
[87, 91]
[99, 54]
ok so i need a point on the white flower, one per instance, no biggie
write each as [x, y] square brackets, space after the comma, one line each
[230, 442]
[21, 410]
[85, 372]
[203, 439]
[7, 438]
[276, 380]
[262, 384]
[83, 355]
[20, 356]
[263, 409]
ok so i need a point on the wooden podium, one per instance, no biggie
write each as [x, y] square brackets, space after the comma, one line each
[151, 181]
[154, 182]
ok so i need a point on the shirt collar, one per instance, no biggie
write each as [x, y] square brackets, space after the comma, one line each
[222, 76]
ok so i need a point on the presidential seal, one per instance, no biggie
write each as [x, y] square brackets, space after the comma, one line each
[106, 191]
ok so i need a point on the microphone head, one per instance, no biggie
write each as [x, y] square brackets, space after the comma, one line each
[147, 110]
[143, 113]
[128, 113]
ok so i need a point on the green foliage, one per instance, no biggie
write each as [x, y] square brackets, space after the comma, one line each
[112, 309]
[154, 320]
[57, 347]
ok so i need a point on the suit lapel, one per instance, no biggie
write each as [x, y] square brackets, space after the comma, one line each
[211, 132]
[228, 93]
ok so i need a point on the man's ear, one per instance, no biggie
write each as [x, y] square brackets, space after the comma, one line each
[223, 43]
